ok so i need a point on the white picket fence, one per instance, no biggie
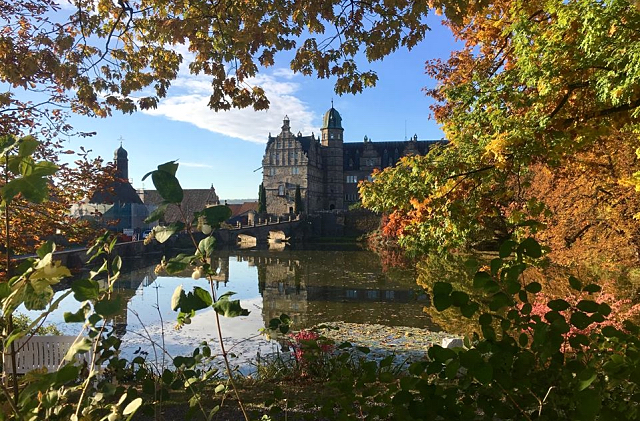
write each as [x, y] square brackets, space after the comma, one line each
[38, 352]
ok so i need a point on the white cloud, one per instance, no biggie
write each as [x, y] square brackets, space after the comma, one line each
[195, 165]
[189, 95]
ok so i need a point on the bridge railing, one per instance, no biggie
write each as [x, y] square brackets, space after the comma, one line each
[271, 220]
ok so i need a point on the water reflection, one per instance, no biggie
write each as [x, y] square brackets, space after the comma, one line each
[310, 286]
[315, 287]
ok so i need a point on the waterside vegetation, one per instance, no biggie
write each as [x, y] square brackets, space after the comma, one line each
[540, 108]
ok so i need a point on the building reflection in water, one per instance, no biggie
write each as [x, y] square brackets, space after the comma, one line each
[311, 287]
[317, 287]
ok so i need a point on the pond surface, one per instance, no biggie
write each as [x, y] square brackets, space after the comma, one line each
[311, 286]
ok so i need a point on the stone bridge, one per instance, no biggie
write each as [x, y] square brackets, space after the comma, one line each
[291, 227]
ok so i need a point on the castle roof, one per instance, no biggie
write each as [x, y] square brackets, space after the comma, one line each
[118, 191]
[332, 119]
[391, 150]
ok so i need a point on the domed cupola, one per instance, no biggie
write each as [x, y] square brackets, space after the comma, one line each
[120, 153]
[120, 158]
[332, 119]
[331, 127]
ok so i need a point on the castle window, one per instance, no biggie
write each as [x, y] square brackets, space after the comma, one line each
[277, 158]
[295, 170]
[271, 158]
[272, 171]
[280, 190]
[351, 179]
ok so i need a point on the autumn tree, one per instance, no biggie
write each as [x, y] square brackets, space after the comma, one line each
[94, 57]
[33, 222]
[536, 86]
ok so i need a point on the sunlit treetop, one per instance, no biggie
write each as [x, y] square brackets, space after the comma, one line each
[540, 79]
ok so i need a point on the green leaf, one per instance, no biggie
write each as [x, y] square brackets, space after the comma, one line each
[500, 300]
[604, 309]
[229, 308]
[77, 317]
[157, 213]
[170, 167]
[162, 234]
[496, 264]
[558, 305]
[580, 320]
[459, 298]
[533, 287]
[506, 248]
[132, 407]
[5, 290]
[37, 301]
[167, 376]
[175, 265]
[207, 246]
[7, 143]
[213, 412]
[483, 373]
[531, 248]
[610, 331]
[485, 319]
[469, 310]
[588, 306]
[441, 302]
[67, 373]
[577, 340]
[442, 288]
[33, 188]
[168, 186]
[204, 296]
[85, 289]
[523, 340]
[27, 146]
[592, 288]
[175, 298]
[588, 403]
[106, 307]
[46, 248]
[575, 283]
[481, 279]
[79, 347]
[190, 302]
[215, 215]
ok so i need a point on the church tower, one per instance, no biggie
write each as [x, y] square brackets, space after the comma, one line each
[332, 154]
[120, 158]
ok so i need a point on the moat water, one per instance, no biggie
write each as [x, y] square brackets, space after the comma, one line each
[311, 286]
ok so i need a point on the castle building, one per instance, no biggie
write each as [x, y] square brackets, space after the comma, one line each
[326, 169]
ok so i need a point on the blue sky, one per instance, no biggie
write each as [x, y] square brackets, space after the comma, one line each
[225, 148]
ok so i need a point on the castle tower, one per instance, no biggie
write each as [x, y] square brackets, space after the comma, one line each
[332, 153]
[120, 158]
